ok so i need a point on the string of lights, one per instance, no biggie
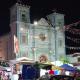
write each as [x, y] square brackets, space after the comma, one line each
[71, 47]
[76, 40]
[72, 28]
[72, 33]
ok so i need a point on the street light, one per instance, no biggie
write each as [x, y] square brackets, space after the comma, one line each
[35, 23]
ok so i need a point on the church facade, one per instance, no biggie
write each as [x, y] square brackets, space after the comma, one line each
[41, 42]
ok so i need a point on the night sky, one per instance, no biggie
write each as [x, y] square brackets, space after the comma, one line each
[41, 8]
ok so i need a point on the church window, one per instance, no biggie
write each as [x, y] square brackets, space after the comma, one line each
[23, 38]
[24, 17]
[78, 59]
[60, 42]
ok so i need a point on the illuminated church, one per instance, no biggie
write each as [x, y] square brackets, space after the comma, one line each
[42, 41]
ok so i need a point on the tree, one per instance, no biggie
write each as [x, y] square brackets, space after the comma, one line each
[64, 59]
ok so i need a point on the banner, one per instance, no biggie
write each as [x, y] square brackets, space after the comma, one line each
[16, 45]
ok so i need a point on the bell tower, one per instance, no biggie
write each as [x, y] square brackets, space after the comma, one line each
[19, 23]
[19, 13]
[57, 22]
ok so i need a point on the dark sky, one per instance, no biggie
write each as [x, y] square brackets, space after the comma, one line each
[40, 8]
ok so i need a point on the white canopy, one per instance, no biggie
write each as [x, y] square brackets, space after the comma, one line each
[22, 59]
